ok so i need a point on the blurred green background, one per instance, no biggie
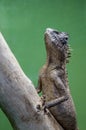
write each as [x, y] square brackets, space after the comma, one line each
[23, 23]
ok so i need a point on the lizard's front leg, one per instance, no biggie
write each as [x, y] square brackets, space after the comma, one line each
[55, 102]
[63, 94]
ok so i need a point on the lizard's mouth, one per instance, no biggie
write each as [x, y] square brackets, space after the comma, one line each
[58, 38]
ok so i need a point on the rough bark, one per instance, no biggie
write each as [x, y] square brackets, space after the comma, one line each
[18, 97]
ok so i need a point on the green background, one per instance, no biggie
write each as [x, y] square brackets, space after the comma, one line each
[23, 23]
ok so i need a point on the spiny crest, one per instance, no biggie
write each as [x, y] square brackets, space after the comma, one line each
[67, 53]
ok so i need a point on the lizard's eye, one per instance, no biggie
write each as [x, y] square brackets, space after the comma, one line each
[66, 38]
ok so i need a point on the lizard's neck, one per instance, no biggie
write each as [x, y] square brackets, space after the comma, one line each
[55, 60]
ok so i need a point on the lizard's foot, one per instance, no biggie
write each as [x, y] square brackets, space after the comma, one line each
[43, 106]
[45, 109]
[43, 98]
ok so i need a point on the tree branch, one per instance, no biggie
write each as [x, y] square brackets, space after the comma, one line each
[18, 97]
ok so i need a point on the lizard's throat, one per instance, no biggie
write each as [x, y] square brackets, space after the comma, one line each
[55, 59]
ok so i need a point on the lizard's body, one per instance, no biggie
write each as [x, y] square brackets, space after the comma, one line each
[53, 79]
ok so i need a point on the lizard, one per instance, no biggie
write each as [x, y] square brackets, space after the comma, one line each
[53, 79]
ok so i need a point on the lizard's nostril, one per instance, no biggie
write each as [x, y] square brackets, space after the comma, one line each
[49, 29]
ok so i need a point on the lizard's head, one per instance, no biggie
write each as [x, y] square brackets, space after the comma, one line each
[57, 44]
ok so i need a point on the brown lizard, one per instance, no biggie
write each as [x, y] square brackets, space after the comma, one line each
[53, 80]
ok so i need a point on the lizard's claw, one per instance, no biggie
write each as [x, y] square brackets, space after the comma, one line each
[44, 107]
[43, 98]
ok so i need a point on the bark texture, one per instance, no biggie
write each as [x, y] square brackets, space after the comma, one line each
[18, 97]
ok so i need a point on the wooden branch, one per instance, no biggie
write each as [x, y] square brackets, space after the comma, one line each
[18, 97]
